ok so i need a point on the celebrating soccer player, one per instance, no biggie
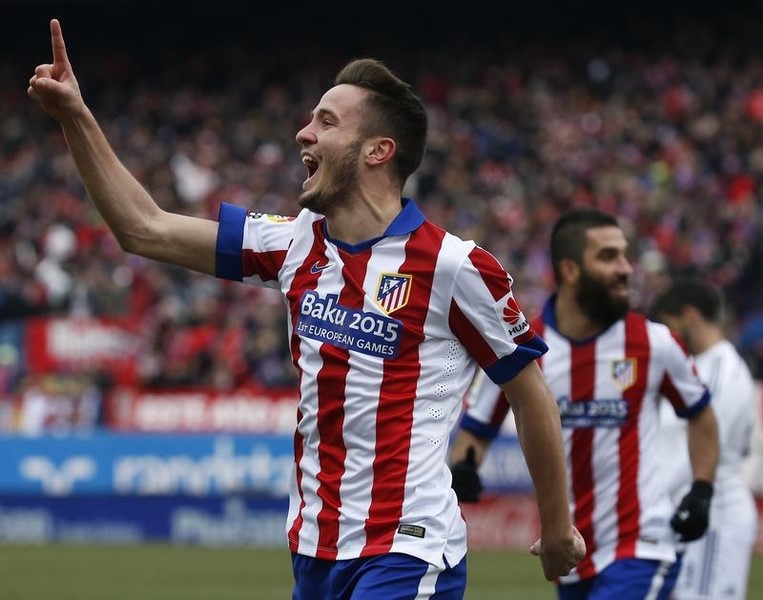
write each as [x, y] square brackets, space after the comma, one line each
[389, 318]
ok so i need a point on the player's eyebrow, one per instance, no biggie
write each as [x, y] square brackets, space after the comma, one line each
[323, 112]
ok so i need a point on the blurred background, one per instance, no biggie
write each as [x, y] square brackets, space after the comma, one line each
[142, 402]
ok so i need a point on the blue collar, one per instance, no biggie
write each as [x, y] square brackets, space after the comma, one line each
[407, 220]
[549, 314]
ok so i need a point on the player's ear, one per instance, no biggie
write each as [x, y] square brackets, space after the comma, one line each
[569, 270]
[379, 150]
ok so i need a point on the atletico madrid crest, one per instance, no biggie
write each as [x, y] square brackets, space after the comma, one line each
[393, 291]
[624, 372]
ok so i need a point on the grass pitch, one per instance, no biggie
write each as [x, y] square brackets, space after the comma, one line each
[164, 572]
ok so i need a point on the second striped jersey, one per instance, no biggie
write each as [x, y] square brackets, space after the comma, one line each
[608, 389]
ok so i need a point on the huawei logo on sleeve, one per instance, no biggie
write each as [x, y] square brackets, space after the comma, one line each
[511, 312]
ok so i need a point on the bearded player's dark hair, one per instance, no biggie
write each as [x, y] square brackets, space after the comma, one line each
[568, 237]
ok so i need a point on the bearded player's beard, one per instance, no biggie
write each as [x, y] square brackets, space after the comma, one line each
[598, 304]
[341, 185]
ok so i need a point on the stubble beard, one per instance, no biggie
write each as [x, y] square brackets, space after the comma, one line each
[340, 188]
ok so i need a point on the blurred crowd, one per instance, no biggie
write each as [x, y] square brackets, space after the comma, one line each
[668, 137]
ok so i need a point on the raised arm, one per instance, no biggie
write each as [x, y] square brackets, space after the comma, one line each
[139, 224]
[561, 546]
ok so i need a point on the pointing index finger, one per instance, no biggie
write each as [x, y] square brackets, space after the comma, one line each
[57, 41]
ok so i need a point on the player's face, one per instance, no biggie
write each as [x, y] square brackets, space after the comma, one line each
[339, 182]
[602, 291]
[331, 147]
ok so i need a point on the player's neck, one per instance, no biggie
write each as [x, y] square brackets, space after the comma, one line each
[364, 219]
[705, 337]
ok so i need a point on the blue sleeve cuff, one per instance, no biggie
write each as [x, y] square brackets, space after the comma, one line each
[696, 407]
[230, 238]
[485, 431]
[506, 369]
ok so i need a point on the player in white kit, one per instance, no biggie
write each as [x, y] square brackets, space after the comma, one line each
[389, 316]
[610, 369]
[716, 566]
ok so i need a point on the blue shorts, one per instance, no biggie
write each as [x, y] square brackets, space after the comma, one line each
[627, 579]
[383, 577]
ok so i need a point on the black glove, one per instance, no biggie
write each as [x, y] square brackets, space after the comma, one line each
[466, 479]
[693, 514]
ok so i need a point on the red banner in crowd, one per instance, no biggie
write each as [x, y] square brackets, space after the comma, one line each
[66, 345]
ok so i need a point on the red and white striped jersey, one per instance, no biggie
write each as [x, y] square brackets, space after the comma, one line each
[609, 389]
[386, 337]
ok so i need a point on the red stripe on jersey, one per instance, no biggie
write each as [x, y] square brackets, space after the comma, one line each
[303, 280]
[394, 418]
[680, 342]
[264, 264]
[668, 388]
[539, 327]
[331, 378]
[628, 505]
[501, 410]
[293, 535]
[582, 378]
[492, 271]
[470, 336]
[524, 338]
[498, 282]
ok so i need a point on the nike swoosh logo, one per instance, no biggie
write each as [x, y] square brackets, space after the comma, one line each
[318, 267]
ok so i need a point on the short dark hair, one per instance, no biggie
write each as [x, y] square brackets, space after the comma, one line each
[568, 237]
[706, 298]
[396, 111]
